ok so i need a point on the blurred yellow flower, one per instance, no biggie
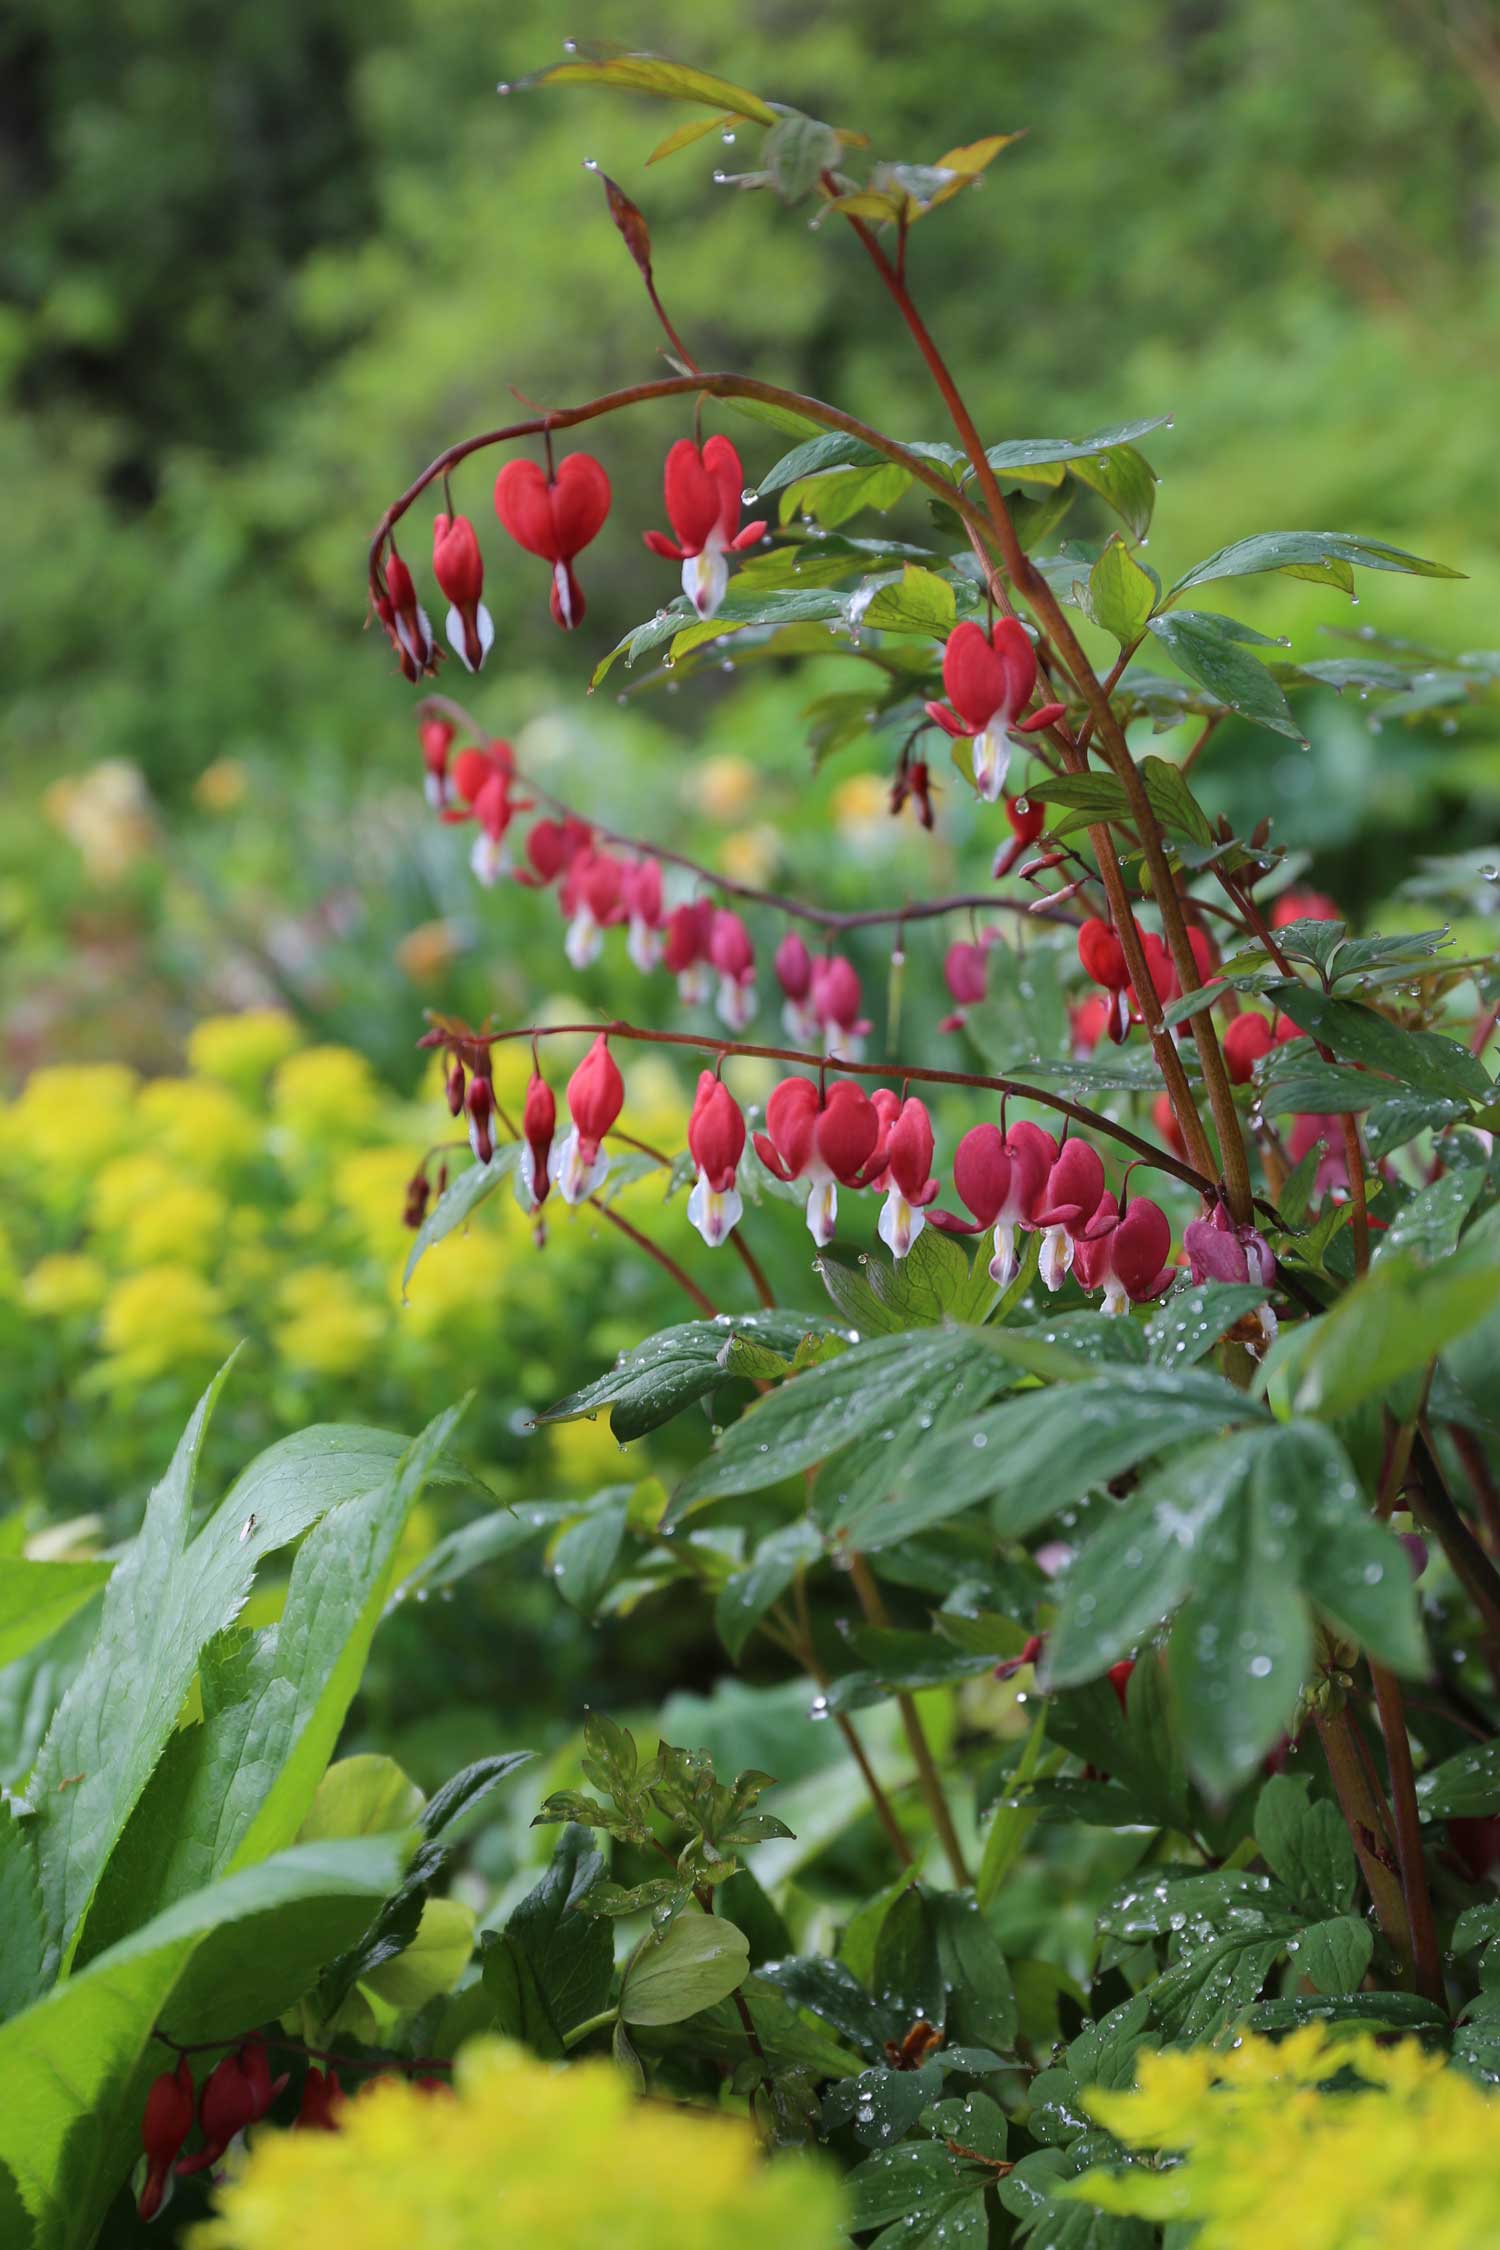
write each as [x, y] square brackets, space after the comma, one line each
[243, 1049]
[326, 1094]
[750, 855]
[222, 786]
[123, 1185]
[726, 786]
[524, 2153]
[158, 1319]
[68, 1118]
[186, 1221]
[370, 1184]
[460, 1278]
[428, 950]
[65, 1283]
[106, 815]
[199, 1124]
[587, 1454]
[327, 1327]
[1321, 2141]
[861, 802]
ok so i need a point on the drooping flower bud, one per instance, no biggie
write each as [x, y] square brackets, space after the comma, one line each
[794, 974]
[481, 782]
[1103, 959]
[165, 2125]
[538, 1122]
[591, 897]
[1027, 817]
[1218, 1250]
[408, 624]
[966, 972]
[458, 567]
[685, 948]
[716, 1142]
[454, 1087]
[480, 1104]
[596, 1095]
[555, 519]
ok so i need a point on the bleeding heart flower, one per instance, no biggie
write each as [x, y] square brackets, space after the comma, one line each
[1304, 906]
[592, 897]
[832, 1142]
[556, 519]
[1126, 1256]
[165, 2125]
[538, 1122]
[702, 491]
[322, 2100]
[836, 1004]
[1218, 1250]
[1072, 1195]
[458, 567]
[1103, 959]
[1002, 1179]
[716, 1142]
[685, 950]
[733, 955]
[989, 678]
[908, 1179]
[596, 1096]
[553, 845]
[640, 892]
[479, 1101]
[436, 737]
[794, 973]
[966, 972]
[236, 2094]
[1245, 1041]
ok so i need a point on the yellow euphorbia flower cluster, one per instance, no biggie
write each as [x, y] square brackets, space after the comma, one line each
[1321, 2141]
[523, 2153]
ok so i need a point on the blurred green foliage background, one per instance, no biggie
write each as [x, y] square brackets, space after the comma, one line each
[259, 264]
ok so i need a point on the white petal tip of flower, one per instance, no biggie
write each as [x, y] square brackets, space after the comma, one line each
[715, 1213]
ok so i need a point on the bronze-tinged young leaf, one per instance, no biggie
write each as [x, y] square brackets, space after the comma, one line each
[696, 129]
[629, 218]
[593, 64]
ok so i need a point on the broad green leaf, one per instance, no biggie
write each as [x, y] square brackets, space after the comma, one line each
[240, 1784]
[797, 151]
[1396, 1318]
[1424, 1060]
[37, 1598]
[458, 1203]
[368, 1795]
[1011, 1822]
[566, 1956]
[835, 498]
[583, 1556]
[1124, 481]
[1026, 453]
[587, 65]
[920, 602]
[114, 1721]
[1307, 554]
[1122, 593]
[674, 1369]
[1209, 649]
[929, 2197]
[817, 1413]
[1032, 1455]
[1305, 1843]
[697, 1959]
[744, 1599]
[1187, 1324]
[76, 2065]
[21, 1966]
[1465, 1787]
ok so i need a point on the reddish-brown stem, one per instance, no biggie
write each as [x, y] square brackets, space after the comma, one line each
[776, 902]
[1477, 1469]
[1365, 1819]
[1469, 1562]
[1426, 1960]
[928, 1778]
[1159, 1159]
[714, 385]
[1030, 583]
[676, 342]
[1354, 1164]
[282, 2046]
